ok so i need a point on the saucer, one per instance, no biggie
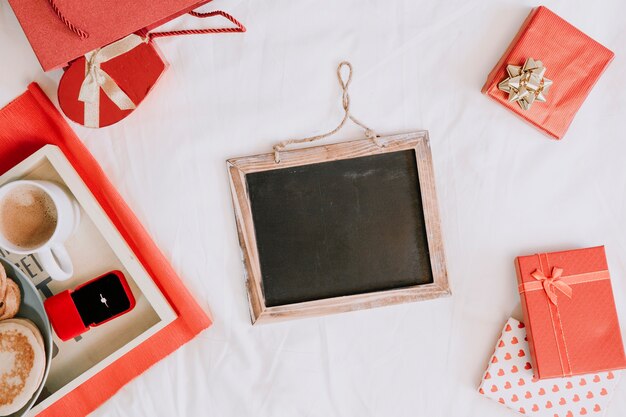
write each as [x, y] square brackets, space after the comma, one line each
[32, 309]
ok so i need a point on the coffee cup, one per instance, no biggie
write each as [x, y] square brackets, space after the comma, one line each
[37, 217]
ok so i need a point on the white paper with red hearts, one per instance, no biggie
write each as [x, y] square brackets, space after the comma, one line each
[509, 380]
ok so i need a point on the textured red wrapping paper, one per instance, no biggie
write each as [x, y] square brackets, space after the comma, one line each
[577, 335]
[27, 124]
[105, 20]
[573, 61]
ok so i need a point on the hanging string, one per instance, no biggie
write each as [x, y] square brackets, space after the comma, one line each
[369, 133]
[78, 31]
[240, 28]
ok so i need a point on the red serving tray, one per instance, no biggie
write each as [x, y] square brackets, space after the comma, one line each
[30, 122]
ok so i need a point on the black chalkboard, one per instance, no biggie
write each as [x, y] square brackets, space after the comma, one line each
[339, 228]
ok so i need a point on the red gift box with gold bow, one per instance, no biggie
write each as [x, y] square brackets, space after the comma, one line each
[569, 312]
[547, 72]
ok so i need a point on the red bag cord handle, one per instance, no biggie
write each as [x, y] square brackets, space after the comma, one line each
[239, 27]
[78, 31]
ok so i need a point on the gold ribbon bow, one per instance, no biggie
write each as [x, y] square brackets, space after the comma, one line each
[552, 283]
[527, 83]
[96, 78]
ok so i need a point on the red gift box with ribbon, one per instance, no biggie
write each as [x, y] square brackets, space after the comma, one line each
[108, 83]
[569, 312]
[547, 72]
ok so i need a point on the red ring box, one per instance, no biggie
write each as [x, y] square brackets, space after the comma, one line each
[73, 312]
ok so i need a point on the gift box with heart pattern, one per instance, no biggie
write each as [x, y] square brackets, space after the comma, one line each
[509, 380]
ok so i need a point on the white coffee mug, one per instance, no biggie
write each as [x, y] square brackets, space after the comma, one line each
[52, 253]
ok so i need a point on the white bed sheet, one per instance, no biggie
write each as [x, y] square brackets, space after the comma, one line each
[504, 190]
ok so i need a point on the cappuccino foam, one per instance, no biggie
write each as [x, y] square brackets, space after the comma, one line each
[28, 217]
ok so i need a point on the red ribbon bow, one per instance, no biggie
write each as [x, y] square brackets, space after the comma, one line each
[551, 283]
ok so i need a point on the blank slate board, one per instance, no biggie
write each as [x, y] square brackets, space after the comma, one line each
[339, 227]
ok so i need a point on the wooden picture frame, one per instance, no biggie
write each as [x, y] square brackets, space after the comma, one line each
[238, 168]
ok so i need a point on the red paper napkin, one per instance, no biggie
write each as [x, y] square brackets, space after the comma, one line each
[30, 122]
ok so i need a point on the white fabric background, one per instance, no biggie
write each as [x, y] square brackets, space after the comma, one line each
[504, 190]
